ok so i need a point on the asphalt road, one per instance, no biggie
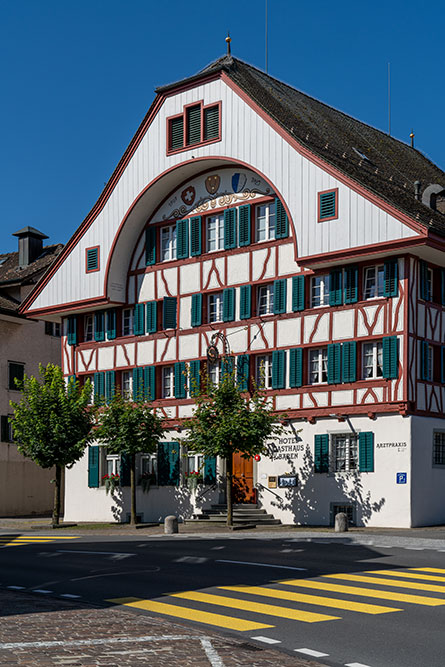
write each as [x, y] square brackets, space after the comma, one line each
[293, 602]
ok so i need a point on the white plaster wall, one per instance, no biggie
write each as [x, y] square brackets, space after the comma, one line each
[428, 482]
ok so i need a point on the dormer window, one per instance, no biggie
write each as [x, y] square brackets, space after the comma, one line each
[196, 125]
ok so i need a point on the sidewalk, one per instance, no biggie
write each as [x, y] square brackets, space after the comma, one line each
[36, 631]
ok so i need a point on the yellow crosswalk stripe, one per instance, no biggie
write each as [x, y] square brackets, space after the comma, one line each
[408, 575]
[322, 601]
[366, 592]
[428, 569]
[221, 621]
[256, 607]
[387, 582]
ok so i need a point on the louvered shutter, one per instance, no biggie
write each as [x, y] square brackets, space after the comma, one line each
[195, 377]
[110, 385]
[298, 293]
[99, 326]
[99, 387]
[211, 123]
[335, 287]
[349, 361]
[390, 278]
[244, 225]
[195, 236]
[334, 363]
[229, 228]
[327, 205]
[169, 312]
[295, 367]
[321, 453]
[182, 239]
[226, 366]
[210, 470]
[366, 451]
[390, 357]
[180, 380]
[425, 371]
[242, 372]
[139, 319]
[72, 330]
[93, 466]
[196, 319]
[278, 369]
[442, 364]
[193, 115]
[176, 133]
[281, 221]
[111, 324]
[149, 383]
[125, 470]
[150, 246]
[168, 463]
[351, 284]
[279, 296]
[92, 259]
[229, 304]
[152, 314]
[424, 283]
[245, 302]
[138, 384]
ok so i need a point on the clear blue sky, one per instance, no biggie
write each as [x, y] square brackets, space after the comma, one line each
[77, 77]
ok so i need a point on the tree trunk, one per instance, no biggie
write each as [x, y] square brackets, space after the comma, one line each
[56, 506]
[133, 490]
[229, 471]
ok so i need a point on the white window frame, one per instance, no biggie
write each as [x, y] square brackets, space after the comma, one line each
[373, 281]
[439, 457]
[215, 233]
[88, 328]
[111, 465]
[148, 464]
[263, 371]
[320, 290]
[194, 463]
[373, 353]
[265, 294]
[265, 222]
[127, 322]
[215, 307]
[127, 384]
[318, 365]
[214, 372]
[168, 382]
[167, 243]
[348, 461]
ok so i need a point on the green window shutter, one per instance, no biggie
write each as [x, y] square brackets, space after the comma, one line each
[425, 371]
[169, 312]
[111, 324]
[279, 296]
[149, 383]
[72, 330]
[296, 367]
[139, 319]
[110, 385]
[211, 123]
[334, 363]
[226, 366]
[442, 364]
[99, 326]
[180, 380]
[229, 304]
[195, 236]
[182, 239]
[125, 470]
[242, 372]
[351, 284]
[321, 453]
[92, 259]
[193, 116]
[244, 225]
[93, 466]
[442, 286]
[327, 205]
[152, 313]
[297, 293]
[168, 463]
[138, 383]
[99, 387]
[366, 451]
[210, 470]
[229, 228]
[390, 357]
[390, 278]
[335, 287]
[195, 377]
[349, 361]
[245, 302]
[424, 284]
[196, 319]
[176, 133]
[278, 369]
[281, 221]
[150, 246]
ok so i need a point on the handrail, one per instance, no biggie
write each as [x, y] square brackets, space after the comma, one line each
[203, 493]
[267, 489]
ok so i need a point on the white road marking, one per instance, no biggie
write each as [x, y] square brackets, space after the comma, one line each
[210, 652]
[217, 548]
[266, 640]
[196, 560]
[16, 588]
[414, 548]
[115, 555]
[309, 651]
[69, 595]
[355, 664]
[279, 567]
[40, 590]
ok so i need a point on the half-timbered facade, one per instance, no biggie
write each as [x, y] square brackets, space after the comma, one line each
[315, 244]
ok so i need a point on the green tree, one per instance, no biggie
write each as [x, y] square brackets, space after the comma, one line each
[53, 422]
[226, 421]
[128, 428]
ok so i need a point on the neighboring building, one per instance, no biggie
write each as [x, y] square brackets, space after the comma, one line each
[24, 487]
[315, 243]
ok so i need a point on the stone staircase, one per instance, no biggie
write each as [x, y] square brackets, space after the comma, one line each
[246, 514]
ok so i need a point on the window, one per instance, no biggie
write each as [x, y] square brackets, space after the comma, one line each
[148, 469]
[214, 372]
[111, 465]
[6, 429]
[92, 259]
[265, 300]
[265, 222]
[168, 382]
[318, 366]
[215, 233]
[195, 464]
[345, 509]
[215, 307]
[52, 329]
[439, 448]
[327, 205]
[372, 360]
[263, 371]
[127, 384]
[196, 125]
[16, 371]
[320, 291]
[127, 322]
[168, 243]
[88, 328]
[344, 452]
[373, 282]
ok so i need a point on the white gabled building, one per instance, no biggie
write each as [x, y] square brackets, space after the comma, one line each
[315, 244]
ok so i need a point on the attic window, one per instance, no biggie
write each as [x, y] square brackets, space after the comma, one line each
[361, 155]
[195, 126]
[92, 259]
[328, 205]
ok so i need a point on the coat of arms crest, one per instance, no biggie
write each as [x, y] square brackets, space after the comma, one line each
[212, 183]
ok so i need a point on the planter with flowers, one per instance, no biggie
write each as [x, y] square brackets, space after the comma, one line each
[194, 477]
[111, 482]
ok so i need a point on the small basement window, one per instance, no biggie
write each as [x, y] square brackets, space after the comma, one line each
[346, 508]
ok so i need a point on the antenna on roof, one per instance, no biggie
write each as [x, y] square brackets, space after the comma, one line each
[389, 99]
[266, 36]
[411, 136]
[228, 40]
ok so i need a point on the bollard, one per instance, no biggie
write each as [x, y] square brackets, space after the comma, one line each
[170, 524]
[341, 522]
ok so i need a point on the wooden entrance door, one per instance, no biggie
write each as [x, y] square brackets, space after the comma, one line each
[243, 490]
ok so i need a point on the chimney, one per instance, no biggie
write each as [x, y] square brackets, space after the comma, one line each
[417, 185]
[30, 245]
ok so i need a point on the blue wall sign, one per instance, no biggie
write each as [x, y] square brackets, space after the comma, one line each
[401, 477]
